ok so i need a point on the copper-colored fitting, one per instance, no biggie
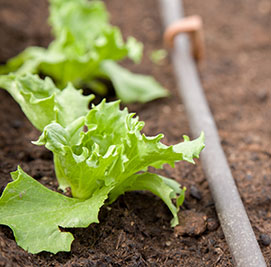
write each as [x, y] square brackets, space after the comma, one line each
[191, 25]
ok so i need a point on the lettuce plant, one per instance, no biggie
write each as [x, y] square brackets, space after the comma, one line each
[99, 157]
[84, 51]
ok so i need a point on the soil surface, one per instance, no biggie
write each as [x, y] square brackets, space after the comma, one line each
[135, 230]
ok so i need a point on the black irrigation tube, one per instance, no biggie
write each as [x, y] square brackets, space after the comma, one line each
[231, 212]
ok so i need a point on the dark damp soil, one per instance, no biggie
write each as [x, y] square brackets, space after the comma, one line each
[135, 230]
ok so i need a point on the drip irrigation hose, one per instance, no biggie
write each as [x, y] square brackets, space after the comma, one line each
[230, 210]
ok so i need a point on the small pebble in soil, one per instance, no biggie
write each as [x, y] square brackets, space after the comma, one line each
[254, 157]
[265, 239]
[212, 224]
[195, 193]
[233, 166]
[262, 96]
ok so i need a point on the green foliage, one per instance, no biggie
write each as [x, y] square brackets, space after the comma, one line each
[157, 56]
[84, 39]
[34, 213]
[42, 102]
[123, 79]
[106, 159]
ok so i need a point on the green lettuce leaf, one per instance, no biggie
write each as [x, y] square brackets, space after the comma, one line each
[42, 102]
[88, 24]
[85, 20]
[132, 87]
[84, 42]
[35, 213]
[166, 189]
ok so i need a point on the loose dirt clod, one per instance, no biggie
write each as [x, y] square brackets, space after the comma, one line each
[191, 223]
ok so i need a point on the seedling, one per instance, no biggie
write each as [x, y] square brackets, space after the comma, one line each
[108, 159]
[85, 49]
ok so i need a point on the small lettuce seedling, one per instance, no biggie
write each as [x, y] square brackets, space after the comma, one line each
[85, 50]
[106, 159]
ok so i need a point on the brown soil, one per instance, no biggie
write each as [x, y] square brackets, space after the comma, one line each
[135, 231]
